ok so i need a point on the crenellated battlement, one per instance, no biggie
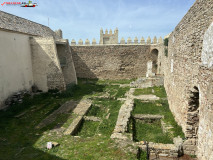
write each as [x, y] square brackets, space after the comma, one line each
[129, 41]
[109, 38]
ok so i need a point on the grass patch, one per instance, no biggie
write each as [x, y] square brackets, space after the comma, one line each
[152, 108]
[122, 81]
[121, 92]
[96, 111]
[20, 140]
[158, 91]
[107, 126]
[150, 132]
[87, 129]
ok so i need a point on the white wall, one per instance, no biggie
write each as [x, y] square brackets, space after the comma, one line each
[15, 64]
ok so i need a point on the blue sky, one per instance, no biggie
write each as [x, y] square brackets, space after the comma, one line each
[84, 18]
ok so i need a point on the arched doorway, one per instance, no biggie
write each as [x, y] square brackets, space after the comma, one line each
[154, 54]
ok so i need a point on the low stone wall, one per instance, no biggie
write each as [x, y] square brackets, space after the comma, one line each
[112, 61]
[148, 82]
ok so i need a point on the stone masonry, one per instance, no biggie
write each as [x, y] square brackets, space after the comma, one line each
[112, 61]
[188, 66]
[17, 24]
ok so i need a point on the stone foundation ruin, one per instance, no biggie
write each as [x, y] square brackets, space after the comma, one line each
[45, 60]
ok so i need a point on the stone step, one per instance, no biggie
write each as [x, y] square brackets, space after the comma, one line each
[80, 110]
[65, 108]
[72, 129]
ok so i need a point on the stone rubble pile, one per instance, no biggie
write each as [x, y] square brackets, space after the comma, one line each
[16, 98]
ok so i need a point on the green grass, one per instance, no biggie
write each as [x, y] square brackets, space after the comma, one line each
[121, 92]
[96, 111]
[21, 141]
[158, 91]
[96, 147]
[152, 108]
[122, 81]
[150, 132]
[88, 129]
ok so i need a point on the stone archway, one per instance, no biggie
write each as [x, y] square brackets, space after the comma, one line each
[154, 54]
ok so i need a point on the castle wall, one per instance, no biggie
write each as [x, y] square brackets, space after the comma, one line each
[182, 70]
[111, 61]
[205, 132]
[47, 71]
[15, 64]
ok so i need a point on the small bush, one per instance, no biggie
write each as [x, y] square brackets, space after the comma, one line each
[166, 52]
[166, 42]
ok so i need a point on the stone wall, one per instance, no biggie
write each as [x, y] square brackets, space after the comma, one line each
[205, 132]
[15, 64]
[182, 70]
[112, 61]
[47, 71]
[18, 24]
[66, 61]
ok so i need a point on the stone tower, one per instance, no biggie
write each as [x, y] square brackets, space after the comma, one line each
[109, 38]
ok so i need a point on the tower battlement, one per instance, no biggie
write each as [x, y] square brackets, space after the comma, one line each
[109, 37]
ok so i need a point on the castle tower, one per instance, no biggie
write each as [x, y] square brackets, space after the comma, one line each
[109, 38]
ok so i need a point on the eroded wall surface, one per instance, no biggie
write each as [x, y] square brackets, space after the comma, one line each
[182, 70]
[15, 64]
[111, 61]
[66, 62]
[47, 71]
[205, 132]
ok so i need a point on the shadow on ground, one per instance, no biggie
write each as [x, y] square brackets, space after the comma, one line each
[18, 135]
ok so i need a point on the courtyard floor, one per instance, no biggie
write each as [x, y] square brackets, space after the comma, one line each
[26, 128]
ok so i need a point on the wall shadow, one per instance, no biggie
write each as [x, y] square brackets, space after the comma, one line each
[81, 67]
[19, 134]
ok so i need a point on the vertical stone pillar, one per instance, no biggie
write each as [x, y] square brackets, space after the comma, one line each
[149, 69]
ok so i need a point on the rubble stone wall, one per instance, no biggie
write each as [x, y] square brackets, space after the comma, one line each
[182, 70]
[112, 61]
